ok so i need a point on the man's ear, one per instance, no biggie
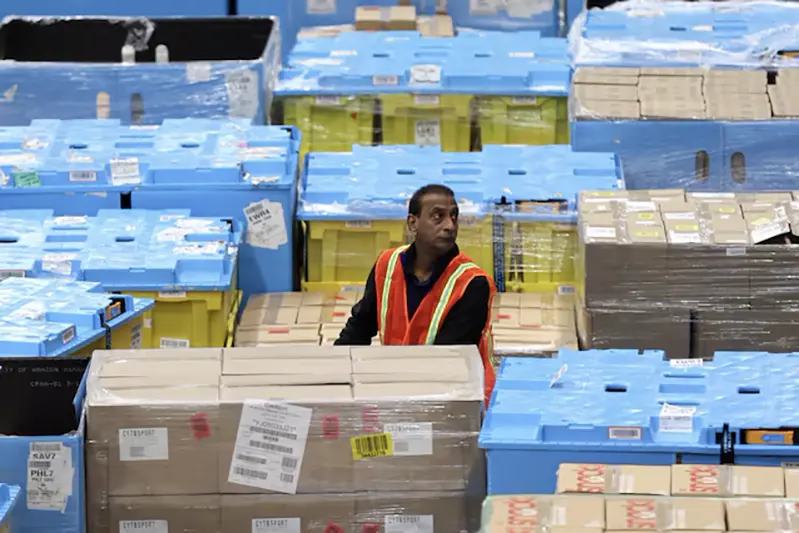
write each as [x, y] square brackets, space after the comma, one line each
[412, 220]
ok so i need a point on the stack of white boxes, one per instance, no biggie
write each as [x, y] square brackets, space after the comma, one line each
[285, 439]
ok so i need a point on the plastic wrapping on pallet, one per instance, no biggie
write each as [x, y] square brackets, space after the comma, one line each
[138, 70]
[624, 406]
[673, 33]
[690, 128]
[644, 258]
[186, 264]
[396, 87]
[517, 209]
[77, 167]
[344, 435]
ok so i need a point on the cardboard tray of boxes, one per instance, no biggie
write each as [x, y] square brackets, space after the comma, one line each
[596, 498]
[373, 438]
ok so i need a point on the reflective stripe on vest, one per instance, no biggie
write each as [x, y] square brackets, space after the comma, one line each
[489, 337]
[441, 306]
[392, 264]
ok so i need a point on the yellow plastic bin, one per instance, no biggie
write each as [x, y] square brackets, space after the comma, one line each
[128, 331]
[539, 257]
[330, 123]
[425, 119]
[233, 319]
[523, 119]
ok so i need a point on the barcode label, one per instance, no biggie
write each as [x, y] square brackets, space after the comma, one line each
[686, 363]
[427, 133]
[249, 473]
[143, 526]
[172, 294]
[289, 463]
[426, 99]
[276, 525]
[368, 446]
[401, 447]
[527, 55]
[137, 452]
[328, 100]
[171, 344]
[68, 336]
[565, 289]
[273, 433]
[385, 80]
[40, 464]
[286, 478]
[408, 524]
[250, 459]
[45, 446]
[136, 337]
[144, 444]
[83, 176]
[524, 100]
[270, 447]
[5, 274]
[358, 224]
[627, 433]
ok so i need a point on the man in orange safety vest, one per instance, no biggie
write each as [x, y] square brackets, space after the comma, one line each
[428, 292]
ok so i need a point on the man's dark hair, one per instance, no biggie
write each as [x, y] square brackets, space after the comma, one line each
[415, 205]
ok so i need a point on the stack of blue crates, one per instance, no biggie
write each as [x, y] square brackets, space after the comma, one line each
[214, 168]
[625, 407]
[51, 317]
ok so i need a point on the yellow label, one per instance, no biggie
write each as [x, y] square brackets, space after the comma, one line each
[686, 227]
[647, 234]
[761, 220]
[646, 216]
[368, 446]
[727, 209]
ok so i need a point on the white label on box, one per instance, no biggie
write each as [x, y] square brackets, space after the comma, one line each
[676, 418]
[198, 71]
[276, 525]
[399, 523]
[49, 477]
[243, 92]
[441, 6]
[566, 289]
[148, 323]
[482, 7]
[596, 232]
[385, 80]
[70, 221]
[528, 55]
[411, 439]
[524, 100]
[767, 231]
[624, 433]
[170, 343]
[684, 237]
[83, 176]
[328, 100]
[426, 74]
[790, 466]
[143, 526]
[559, 374]
[321, 7]
[343, 53]
[135, 337]
[426, 99]
[144, 444]
[266, 227]
[686, 363]
[524, 9]
[172, 235]
[4, 179]
[635, 206]
[427, 133]
[270, 446]
[679, 216]
[358, 224]
[58, 263]
[125, 171]
[172, 294]
[736, 251]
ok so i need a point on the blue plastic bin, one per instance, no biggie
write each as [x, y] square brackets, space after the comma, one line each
[9, 494]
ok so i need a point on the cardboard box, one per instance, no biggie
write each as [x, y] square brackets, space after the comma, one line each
[593, 91]
[502, 514]
[607, 75]
[401, 18]
[591, 109]
[614, 479]
[726, 480]
[761, 515]
[370, 18]
[305, 335]
[641, 513]
[436, 26]
[791, 482]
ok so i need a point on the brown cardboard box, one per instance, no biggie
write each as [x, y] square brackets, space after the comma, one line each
[401, 18]
[503, 514]
[439, 25]
[642, 512]
[298, 334]
[614, 479]
[761, 515]
[607, 76]
[198, 514]
[590, 109]
[370, 18]
[415, 511]
[317, 513]
[726, 480]
[619, 93]
[791, 481]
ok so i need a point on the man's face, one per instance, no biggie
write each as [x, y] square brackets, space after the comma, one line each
[436, 226]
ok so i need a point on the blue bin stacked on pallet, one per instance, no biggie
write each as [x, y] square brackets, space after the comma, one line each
[296, 16]
[732, 123]
[354, 206]
[622, 407]
[401, 88]
[51, 317]
[186, 264]
[50, 70]
[214, 168]
[9, 494]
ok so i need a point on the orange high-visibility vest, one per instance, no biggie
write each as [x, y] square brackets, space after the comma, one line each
[393, 324]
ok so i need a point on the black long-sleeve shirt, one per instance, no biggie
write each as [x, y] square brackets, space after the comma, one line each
[463, 324]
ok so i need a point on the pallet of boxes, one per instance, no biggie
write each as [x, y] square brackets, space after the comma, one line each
[596, 498]
[387, 18]
[305, 439]
[533, 324]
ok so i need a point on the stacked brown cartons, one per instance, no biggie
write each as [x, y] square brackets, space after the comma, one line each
[533, 324]
[601, 92]
[284, 439]
[296, 318]
[689, 273]
[782, 94]
[669, 93]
